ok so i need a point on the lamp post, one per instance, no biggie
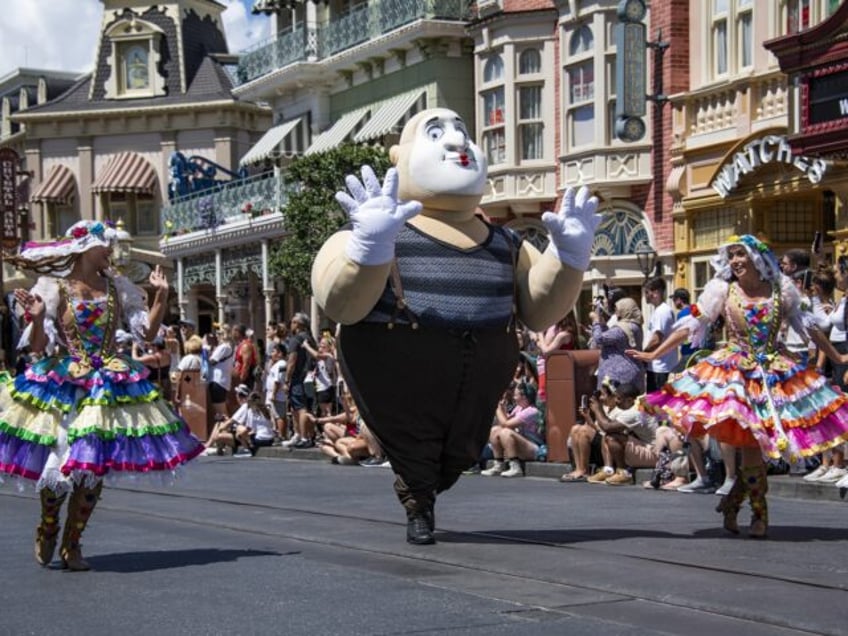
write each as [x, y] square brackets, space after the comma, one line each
[123, 251]
[646, 257]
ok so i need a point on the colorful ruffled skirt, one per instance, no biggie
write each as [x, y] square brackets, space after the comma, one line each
[748, 400]
[58, 429]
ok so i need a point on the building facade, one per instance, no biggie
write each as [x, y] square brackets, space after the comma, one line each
[733, 166]
[103, 149]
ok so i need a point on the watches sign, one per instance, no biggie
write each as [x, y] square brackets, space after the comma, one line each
[828, 98]
[9, 197]
[761, 152]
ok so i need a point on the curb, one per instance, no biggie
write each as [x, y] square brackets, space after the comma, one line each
[788, 486]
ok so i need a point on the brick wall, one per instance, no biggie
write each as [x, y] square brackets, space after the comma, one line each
[672, 16]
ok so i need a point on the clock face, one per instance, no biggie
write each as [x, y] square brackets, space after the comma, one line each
[634, 10]
[630, 128]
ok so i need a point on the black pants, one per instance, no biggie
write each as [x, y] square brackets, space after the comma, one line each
[429, 396]
[655, 381]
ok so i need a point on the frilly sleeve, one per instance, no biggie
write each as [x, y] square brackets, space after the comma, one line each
[133, 306]
[47, 287]
[797, 315]
[704, 312]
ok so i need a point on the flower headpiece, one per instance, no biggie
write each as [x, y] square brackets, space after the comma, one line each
[760, 254]
[80, 237]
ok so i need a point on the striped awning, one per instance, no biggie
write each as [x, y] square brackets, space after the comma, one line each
[338, 132]
[126, 172]
[268, 145]
[390, 114]
[57, 187]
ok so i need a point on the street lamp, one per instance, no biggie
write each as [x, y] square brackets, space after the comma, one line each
[646, 257]
[123, 251]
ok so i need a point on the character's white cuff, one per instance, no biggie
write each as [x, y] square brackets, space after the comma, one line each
[369, 252]
[576, 259]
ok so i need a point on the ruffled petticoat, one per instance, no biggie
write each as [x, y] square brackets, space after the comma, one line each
[748, 400]
[57, 429]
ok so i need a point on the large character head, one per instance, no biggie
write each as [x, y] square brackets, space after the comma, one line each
[438, 163]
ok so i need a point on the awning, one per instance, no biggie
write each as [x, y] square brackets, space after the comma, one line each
[337, 133]
[126, 172]
[389, 115]
[269, 145]
[57, 187]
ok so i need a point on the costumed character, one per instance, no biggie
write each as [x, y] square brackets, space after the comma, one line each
[752, 393]
[427, 294]
[82, 410]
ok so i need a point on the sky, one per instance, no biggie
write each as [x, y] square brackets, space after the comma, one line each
[62, 34]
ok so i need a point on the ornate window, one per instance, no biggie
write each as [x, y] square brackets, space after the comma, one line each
[580, 78]
[582, 41]
[620, 233]
[134, 60]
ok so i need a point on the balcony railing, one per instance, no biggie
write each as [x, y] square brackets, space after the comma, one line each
[287, 47]
[212, 208]
[360, 25]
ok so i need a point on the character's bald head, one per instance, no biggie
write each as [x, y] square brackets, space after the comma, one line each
[438, 163]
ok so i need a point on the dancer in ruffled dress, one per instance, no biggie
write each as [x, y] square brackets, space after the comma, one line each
[752, 393]
[81, 410]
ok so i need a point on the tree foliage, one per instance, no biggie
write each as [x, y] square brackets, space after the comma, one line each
[312, 213]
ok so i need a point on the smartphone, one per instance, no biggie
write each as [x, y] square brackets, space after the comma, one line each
[808, 279]
[584, 402]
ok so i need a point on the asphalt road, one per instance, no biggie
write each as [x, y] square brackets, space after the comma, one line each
[266, 546]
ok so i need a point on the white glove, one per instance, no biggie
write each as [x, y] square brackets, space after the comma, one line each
[573, 228]
[376, 215]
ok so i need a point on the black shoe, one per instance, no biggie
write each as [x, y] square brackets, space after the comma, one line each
[305, 443]
[419, 530]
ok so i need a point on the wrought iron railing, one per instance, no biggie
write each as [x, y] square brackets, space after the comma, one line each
[285, 48]
[209, 209]
[360, 25]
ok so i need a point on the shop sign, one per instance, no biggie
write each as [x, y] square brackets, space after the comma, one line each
[8, 197]
[761, 152]
[828, 98]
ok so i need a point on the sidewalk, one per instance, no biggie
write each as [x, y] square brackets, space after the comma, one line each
[789, 486]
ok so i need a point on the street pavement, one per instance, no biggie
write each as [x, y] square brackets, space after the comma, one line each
[267, 545]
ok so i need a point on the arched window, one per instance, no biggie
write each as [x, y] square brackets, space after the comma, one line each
[136, 72]
[494, 69]
[620, 233]
[530, 61]
[582, 41]
[532, 231]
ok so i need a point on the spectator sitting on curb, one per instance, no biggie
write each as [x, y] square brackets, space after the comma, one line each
[584, 441]
[224, 433]
[517, 435]
[628, 437]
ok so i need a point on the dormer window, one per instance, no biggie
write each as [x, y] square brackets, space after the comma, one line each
[134, 62]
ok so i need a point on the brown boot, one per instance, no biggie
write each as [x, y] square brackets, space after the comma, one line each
[82, 503]
[729, 505]
[757, 486]
[47, 531]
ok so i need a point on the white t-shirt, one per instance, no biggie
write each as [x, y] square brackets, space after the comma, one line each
[276, 378]
[189, 362]
[837, 322]
[221, 365]
[639, 424]
[259, 425]
[324, 370]
[662, 320]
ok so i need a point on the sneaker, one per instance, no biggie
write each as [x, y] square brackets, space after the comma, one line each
[497, 468]
[304, 443]
[619, 478]
[599, 477]
[474, 470]
[243, 452]
[842, 483]
[833, 475]
[212, 450]
[372, 462]
[290, 442]
[700, 486]
[514, 469]
[726, 487]
[816, 474]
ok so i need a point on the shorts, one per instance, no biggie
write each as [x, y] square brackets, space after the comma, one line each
[327, 396]
[297, 397]
[278, 409]
[639, 454]
[217, 393]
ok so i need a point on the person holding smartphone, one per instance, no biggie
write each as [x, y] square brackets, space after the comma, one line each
[585, 438]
